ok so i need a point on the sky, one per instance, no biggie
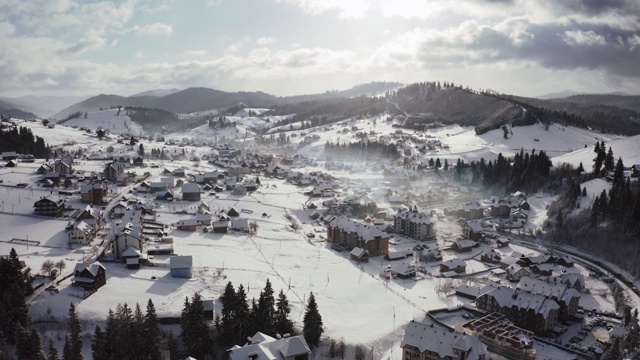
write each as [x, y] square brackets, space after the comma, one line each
[288, 47]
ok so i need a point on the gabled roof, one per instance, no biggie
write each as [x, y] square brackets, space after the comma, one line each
[180, 262]
[441, 341]
[190, 188]
[265, 347]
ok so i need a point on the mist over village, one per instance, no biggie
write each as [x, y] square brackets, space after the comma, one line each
[309, 179]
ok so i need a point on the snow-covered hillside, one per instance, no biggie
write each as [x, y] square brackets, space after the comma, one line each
[625, 148]
[108, 120]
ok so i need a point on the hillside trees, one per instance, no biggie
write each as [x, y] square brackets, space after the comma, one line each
[23, 141]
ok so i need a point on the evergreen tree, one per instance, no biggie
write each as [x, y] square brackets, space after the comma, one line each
[229, 304]
[608, 160]
[152, 333]
[66, 349]
[14, 285]
[446, 165]
[172, 346]
[195, 332]
[597, 160]
[141, 150]
[75, 336]
[99, 345]
[53, 351]
[312, 329]
[265, 310]
[242, 325]
[282, 323]
[614, 353]
[138, 335]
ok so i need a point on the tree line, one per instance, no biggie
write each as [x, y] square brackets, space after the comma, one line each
[23, 141]
[362, 148]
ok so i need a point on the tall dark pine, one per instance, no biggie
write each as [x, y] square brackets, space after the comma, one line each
[53, 351]
[152, 333]
[265, 311]
[13, 287]
[195, 332]
[312, 329]
[172, 346]
[282, 323]
[99, 345]
[242, 325]
[138, 336]
[229, 305]
[75, 338]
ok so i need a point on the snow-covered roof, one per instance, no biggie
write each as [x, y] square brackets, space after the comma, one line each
[414, 216]
[190, 188]
[508, 297]
[131, 252]
[265, 347]
[180, 262]
[365, 231]
[441, 341]
[93, 267]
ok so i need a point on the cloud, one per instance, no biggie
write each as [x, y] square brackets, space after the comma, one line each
[265, 40]
[89, 42]
[196, 53]
[155, 29]
[345, 9]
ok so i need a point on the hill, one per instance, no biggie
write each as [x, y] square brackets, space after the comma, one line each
[12, 110]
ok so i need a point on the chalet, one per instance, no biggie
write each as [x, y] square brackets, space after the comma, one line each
[414, 224]
[402, 270]
[516, 272]
[471, 210]
[239, 189]
[11, 164]
[131, 257]
[64, 166]
[118, 210]
[54, 176]
[502, 242]
[113, 170]
[233, 212]
[463, 245]
[530, 311]
[138, 161]
[191, 192]
[9, 155]
[398, 255]
[158, 186]
[250, 184]
[543, 269]
[455, 265]
[44, 168]
[428, 341]
[359, 255]
[49, 206]
[635, 170]
[565, 261]
[81, 233]
[490, 256]
[89, 277]
[261, 346]
[181, 266]
[344, 231]
[188, 225]
[165, 195]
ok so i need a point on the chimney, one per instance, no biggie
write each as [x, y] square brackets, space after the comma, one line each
[286, 335]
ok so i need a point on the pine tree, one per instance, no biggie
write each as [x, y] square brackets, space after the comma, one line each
[614, 352]
[75, 336]
[172, 346]
[99, 345]
[195, 332]
[141, 150]
[608, 160]
[152, 332]
[229, 304]
[312, 329]
[242, 325]
[138, 335]
[282, 323]
[53, 351]
[265, 310]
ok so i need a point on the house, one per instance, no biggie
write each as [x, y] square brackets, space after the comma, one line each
[93, 193]
[635, 170]
[188, 225]
[138, 161]
[516, 272]
[221, 226]
[414, 224]
[191, 192]
[112, 170]
[472, 229]
[344, 231]
[455, 265]
[203, 208]
[490, 256]
[64, 166]
[49, 206]
[166, 195]
[239, 225]
[203, 219]
[261, 346]
[233, 212]
[89, 277]
[239, 189]
[11, 164]
[127, 236]
[471, 210]
[82, 233]
[428, 341]
[9, 155]
[158, 186]
[502, 242]
[404, 270]
[359, 255]
[181, 266]
[463, 245]
[131, 257]
[566, 297]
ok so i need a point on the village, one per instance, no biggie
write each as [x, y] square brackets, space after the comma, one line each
[460, 268]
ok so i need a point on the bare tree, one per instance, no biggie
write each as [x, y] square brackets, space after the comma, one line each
[253, 227]
[47, 267]
[61, 265]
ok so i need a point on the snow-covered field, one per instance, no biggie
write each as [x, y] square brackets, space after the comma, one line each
[112, 120]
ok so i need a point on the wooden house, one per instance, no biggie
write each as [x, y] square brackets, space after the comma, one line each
[89, 277]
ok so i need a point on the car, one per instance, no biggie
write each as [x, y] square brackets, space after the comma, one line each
[582, 332]
[586, 327]
[575, 339]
